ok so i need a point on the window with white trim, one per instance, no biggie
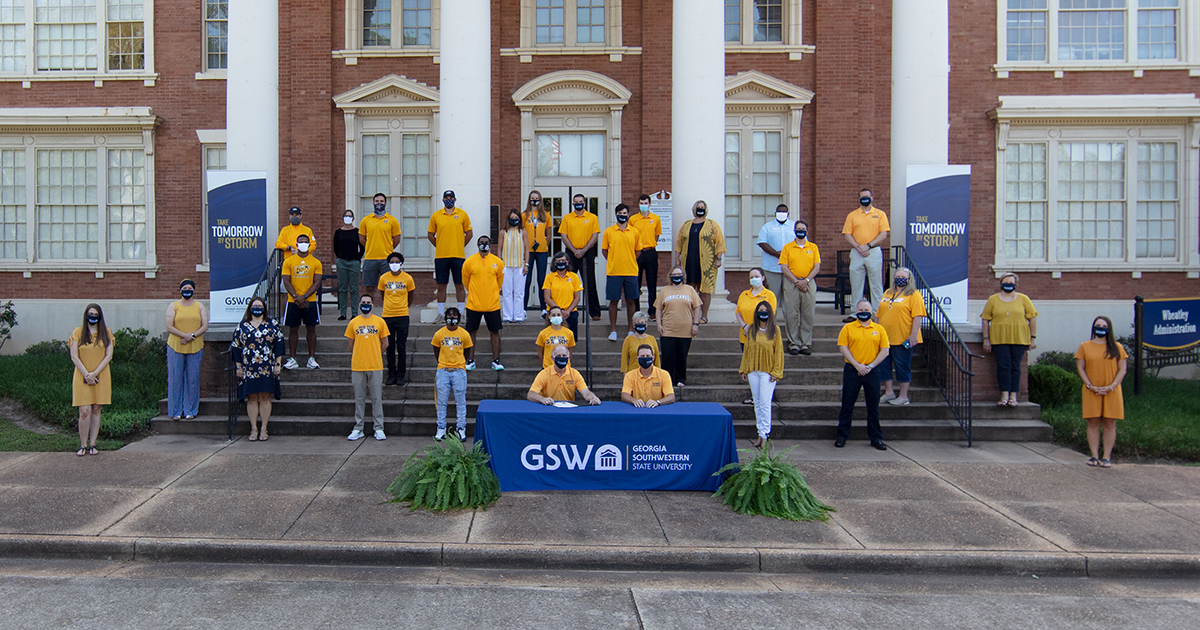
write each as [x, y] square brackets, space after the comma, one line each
[392, 26]
[570, 155]
[216, 34]
[755, 23]
[65, 37]
[212, 158]
[569, 22]
[1092, 31]
[754, 185]
[399, 164]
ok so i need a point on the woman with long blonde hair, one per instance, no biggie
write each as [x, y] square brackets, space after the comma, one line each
[762, 365]
[901, 311]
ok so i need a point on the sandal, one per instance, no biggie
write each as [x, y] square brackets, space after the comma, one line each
[1002, 403]
[82, 451]
[1012, 402]
[1104, 463]
[253, 436]
[1092, 461]
[748, 401]
[262, 435]
[92, 450]
[757, 443]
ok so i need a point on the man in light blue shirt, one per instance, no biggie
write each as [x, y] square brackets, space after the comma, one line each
[771, 239]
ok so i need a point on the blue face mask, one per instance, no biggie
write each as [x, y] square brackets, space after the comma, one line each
[578, 206]
[561, 361]
[900, 282]
[556, 320]
[639, 328]
[1100, 331]
[863, 316]
[365, 308]
[257, 311]
[801, 234]
[93, 319]
[1008, 287]
[449, 203]
[187, 293]
[645, 362]
[622, 218]
[763, 316]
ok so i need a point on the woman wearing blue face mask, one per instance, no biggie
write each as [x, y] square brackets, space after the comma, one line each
[1101, 363]
[514, 250]
[187, 319]
[1009, 331]
[258, 351]
[91, 347]
[762, 365]
[901, 310]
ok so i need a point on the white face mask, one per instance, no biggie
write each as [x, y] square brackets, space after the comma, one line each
[781, 217]
[395, 267]
[348, 220]
[303, 247]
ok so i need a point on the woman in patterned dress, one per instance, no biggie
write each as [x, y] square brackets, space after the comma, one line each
[700, 250]
[258, 351]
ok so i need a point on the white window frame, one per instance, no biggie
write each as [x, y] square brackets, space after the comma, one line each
[792, 44]
[209, 139]
[355, 49]
[205, 71]
[1187, 42]
[98, 129]
[101, 74]
[1131, 119]
[614, 37]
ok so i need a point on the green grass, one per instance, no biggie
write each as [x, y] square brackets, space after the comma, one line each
[1162, 423]
[14, 438]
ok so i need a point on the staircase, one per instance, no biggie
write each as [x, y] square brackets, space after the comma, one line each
[807, 400]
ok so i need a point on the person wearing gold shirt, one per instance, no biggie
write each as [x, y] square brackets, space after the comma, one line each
[559, 382]
[1009, 331]
[864, 345]
[483, 275]
[648, 385]
[187, 319]
[762, 365]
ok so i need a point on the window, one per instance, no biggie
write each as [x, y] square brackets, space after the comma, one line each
[752, 22]
[216, 34]
[569, 22]
[65, 37]
[391, 27]
[1091, 31]
[753, 185]
[212, 158]
[404, 158]
[570, 155]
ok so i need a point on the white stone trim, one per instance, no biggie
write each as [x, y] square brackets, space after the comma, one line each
[793, 31]
[146, 74]
[211, 136]
[613, 34]
[353, 35]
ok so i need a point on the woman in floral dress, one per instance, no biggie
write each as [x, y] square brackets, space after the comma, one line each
[258, 351]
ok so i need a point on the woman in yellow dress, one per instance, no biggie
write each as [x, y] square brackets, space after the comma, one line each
[91, 351]
[1101, 363]
[700, 249]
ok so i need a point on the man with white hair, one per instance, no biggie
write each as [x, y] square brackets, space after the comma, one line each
[560, 381]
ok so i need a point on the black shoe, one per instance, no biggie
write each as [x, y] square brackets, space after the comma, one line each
[400, 381]
[341, 318]
[805, 351]
[391, 380]
[879, 446]
[839, 443]
[794, 350]
[847, 320]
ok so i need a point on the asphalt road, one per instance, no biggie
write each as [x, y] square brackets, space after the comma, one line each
[112, 595]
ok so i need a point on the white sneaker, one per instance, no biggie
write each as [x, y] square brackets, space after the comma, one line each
[440, 319]
[312, 364]
[462, 434]
[470, 365]
[291, 364]
[887, 398]
[379, 435]
[612, 336]
[497, 366]
[441, 433]
[899, 401]
[355, 435]
[629, 333]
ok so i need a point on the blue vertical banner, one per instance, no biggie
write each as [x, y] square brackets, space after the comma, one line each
[237, 240]
[939, 222]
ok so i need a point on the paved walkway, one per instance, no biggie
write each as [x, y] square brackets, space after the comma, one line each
[1000, 507]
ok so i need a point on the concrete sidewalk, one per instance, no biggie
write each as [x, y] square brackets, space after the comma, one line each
[921, 507]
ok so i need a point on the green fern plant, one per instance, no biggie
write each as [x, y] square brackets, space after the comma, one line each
[770, 486]
[447, 477]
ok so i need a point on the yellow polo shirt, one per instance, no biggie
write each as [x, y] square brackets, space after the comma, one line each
[549, 384]
[579, 229]
[549, 338]
[650, 226]
[800, 260]
[622, 247]
[289, 233]
[864, 341]
[450, 228]
[368, 332]
[897, 312]
[865, 226]
[483, 277]
[562, 288]
[452, 343]
[657, 386]
[379, 232]
[396, 288]
[302, 270]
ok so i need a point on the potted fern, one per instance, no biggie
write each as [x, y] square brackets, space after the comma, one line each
[447, 477]
[771, 486]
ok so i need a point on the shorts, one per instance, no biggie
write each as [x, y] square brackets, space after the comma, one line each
[372, 268]
[442, 268]
[492, 317]
[294, 316]
[613, 290]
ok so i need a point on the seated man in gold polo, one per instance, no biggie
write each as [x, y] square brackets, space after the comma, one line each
[647, 386]
[559, 382]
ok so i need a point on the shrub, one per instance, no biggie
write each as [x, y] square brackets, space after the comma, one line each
[1051, 386]
[447, 478]
[770, 486]
[1064, 360]
[47, 348]
[8, 319]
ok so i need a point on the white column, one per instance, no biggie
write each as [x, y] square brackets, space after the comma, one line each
[465, 112]
[920, 95]
[252, 97]
[698, 117]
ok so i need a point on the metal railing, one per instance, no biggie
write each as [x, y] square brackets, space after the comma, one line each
[268, 283]
[947, 356]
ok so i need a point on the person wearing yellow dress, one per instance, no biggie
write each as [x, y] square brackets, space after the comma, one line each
[700, 250]
[187, 319]
[91, 351]
[901, 310]
[762, 366]
[1101, 363]
[629, 349]
[1009, 331]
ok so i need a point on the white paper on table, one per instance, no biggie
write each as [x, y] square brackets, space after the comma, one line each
[562, 404]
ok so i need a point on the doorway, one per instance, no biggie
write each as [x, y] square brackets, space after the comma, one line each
[558, 204]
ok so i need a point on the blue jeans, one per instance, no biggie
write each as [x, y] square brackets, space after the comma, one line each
[452, 380]
[1008, 365]
[183, 383]
[538, 258]
[852, 381]
[898, 360]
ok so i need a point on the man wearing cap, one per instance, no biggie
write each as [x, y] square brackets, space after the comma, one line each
[288, 233]
[866, 228]
[449, 232]
[379, 234]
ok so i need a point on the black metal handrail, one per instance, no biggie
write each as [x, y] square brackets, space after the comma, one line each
[268, 282]
[946, 355]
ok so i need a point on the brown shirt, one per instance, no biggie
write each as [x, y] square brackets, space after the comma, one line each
[674, 305]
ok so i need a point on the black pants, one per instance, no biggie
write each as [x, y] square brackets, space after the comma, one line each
[674, 352]
[852, 381]
[647, 261]
[538, 258]
[573, 322]
[586, 267]
[1008, 365]
[397, 345]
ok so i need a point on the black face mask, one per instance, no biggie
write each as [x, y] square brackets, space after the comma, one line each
[365, 308]
[639, 328]
[295, 219]
[451, 321]
[863, 316]
[622, 218]
[561, 361]
[676, 279]
[763, 316]
[1008, 287]
[187, 293]
[864, 201]
[801, 234]
[257, 311]
[701, 211]
[560, 265]
[379, 208]
[485, 247]
[535, 202]
[449, 203]
[1099, 331]
[900, 282]
[93, 319]
[645, 361]
[578, 206]
[514, 222]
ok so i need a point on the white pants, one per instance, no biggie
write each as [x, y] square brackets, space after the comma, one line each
[512, 295]
[762, 388]
[869, 267]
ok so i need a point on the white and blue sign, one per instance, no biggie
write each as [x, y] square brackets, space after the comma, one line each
[937, 238]
[1170, 324]
[237, 240]
[613, 446]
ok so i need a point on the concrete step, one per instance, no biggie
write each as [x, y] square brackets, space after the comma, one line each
[603, 357]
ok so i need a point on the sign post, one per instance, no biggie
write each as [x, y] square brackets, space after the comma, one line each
[938, 230]
[660, 204]
[237, 240]
[1169, 326]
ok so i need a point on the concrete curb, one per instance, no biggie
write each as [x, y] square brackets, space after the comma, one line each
[603, 558]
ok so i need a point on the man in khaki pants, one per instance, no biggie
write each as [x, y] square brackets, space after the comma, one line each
[866, 229]
[800, 262]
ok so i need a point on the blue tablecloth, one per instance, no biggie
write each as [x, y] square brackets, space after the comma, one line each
[613, 446]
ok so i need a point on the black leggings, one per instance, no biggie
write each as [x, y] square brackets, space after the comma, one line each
[675, 356]
[397, 350]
